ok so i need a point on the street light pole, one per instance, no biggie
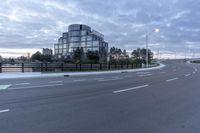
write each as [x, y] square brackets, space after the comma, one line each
[147, 47]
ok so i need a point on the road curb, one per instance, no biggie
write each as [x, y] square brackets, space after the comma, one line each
[69, 74]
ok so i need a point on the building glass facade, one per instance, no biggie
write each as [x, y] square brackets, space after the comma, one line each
[79, 35]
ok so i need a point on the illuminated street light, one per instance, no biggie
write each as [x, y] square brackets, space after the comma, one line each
[156, 30]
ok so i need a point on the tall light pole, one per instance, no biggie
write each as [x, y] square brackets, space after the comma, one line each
[147, 43]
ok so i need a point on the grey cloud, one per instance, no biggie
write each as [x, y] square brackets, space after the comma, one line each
[37, 24]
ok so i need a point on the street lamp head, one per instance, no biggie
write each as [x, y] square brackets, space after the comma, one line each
[156, 30]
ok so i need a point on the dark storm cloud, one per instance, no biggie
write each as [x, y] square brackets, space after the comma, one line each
[37, 24]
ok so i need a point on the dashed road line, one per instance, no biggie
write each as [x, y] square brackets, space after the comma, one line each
[5, 110]
[37, 86]
[112, 79]
[22, 84]
[144, 75]
[169, 80]
[98, 78]
[79, 80]
[53, 82]
[187, 75]
[129, 89]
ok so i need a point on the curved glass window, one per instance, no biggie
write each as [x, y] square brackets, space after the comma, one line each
[64, 40]
[60, 46]
[89, 38]
[64, 45]
[89, 44]
[75, 39]
[74, 44]
[83, 33]
[83, 38]
[60, 40]
[95, 43]
[85, 27]
[83, 44]
[74, 33]
[74, 27]
[65, 35]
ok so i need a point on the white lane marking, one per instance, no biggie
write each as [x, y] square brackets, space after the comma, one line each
[144, 75]
[169, 80]
[116, 77]
[98, 78]
[104, 80]
[79, 80]
[22, 84]
[186, 75]
[3, 87]
[5, 110]
[194, 72]
[51, 82]
[142, 72]
[37, 86]
[129, 89]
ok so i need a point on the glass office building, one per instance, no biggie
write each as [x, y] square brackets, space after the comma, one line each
[79, 35]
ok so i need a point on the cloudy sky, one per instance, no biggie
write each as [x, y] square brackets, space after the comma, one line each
[29, 25]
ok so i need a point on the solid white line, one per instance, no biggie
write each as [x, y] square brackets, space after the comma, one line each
[169, 80]
[23, 84]
[55, 82]
[104, 80]
[5, 110]
[138, 87]
[186, 75]
[39, 86]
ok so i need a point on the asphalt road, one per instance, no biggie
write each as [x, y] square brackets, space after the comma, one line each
[166, 100]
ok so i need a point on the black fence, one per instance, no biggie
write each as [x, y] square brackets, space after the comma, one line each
[62, 67]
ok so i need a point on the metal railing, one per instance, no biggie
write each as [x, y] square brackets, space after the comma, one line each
[62, 67]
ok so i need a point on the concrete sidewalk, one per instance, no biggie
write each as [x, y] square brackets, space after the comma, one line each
[11, 75]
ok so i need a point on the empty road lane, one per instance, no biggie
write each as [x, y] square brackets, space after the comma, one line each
[157, 101]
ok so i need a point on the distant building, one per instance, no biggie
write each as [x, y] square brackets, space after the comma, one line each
[79, 35]
[47, 51]
[118, 54]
